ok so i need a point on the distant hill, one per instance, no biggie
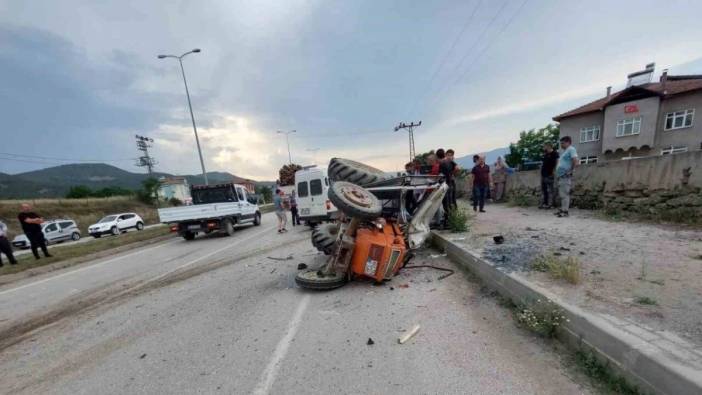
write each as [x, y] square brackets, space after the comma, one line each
[56, 181]
[466, 162]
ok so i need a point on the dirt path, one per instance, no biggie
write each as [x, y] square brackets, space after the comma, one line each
[622, 262]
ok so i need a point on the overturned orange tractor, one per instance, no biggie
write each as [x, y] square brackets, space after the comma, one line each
[376, 232]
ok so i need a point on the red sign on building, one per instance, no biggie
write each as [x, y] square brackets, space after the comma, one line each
[629, 108]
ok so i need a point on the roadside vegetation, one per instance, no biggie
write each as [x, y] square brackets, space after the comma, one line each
[602, 375]
[567, 268]
[78, 250]
[458, 220]
[85, 211]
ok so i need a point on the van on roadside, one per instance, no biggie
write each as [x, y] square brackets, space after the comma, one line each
[313, 204]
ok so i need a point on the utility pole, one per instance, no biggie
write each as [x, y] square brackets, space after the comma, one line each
[410, 130]
[190, 106]
[145, 160]
[287, 138]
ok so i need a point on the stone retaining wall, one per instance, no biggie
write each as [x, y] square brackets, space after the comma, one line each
[664, 187]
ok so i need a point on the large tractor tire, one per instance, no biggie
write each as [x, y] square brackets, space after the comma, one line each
[324, 237]
[313, 279]
[354, 201]
[354, 172]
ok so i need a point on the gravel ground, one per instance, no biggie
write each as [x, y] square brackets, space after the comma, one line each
[621, 262]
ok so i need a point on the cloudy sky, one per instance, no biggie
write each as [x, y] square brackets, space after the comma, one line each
[81, 78]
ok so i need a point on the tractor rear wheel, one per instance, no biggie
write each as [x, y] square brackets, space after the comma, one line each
[324, 237]
[355, 201]
[313, 279]
[354, 172]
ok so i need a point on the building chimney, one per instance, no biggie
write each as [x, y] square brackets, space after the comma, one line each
[664, 79]
[609, 91]
[641, 77]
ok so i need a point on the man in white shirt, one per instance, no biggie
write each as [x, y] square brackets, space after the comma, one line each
[5, 247]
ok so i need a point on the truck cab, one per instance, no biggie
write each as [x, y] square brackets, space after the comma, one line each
[313, 204]
[215, 208]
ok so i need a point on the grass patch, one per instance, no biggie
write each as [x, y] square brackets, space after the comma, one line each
[645, 300]
[568, 268]
[27, 261]
[458, 221]
[522, 200]
[603, 374]
[542, 317]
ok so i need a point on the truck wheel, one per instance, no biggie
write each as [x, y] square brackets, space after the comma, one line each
[355, 172]
[354, 201]
[257, 219]
[228, 227]
[189, 236]
[324, 237]
[312, 279]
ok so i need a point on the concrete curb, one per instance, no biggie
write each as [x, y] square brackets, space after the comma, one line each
[656, 362]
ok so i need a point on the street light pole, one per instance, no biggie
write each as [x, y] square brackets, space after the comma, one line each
[287, 139]
[190, 106]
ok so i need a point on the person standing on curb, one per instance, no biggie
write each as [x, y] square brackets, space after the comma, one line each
[566, 164]
[5, 247]
[31, 225]
[548, 167]
[280, 211]
[481, 183]
[293, 210]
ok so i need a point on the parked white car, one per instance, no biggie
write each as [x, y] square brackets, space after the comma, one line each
[115, 224]
[55, 231]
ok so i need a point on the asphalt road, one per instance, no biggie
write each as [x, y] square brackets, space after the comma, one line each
[223, 315]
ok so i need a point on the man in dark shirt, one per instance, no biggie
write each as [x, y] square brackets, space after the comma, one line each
[481, 182]
[31, 224]
[548, 167]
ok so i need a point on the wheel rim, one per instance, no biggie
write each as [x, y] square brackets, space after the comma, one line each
[115, 231]
[356, 195]
[311, 279]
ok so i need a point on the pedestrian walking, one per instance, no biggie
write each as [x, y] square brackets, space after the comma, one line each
[566, 164]
[31, 225]
[548, 168]
[481, 183]
[279, 205]
[293, 210]
[5, 247]
[499, 179]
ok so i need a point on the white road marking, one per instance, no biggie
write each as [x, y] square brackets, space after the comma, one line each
[268, 376]
[84, 268]
[236, 243]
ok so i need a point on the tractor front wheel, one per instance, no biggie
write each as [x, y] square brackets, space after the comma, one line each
[312, 279]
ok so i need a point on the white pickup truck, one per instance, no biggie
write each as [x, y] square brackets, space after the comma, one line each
[215, 208]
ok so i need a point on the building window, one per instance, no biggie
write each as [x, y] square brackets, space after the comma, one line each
[679, 119]
[589, 134]
[629, 127]
[588, 159]
[673, 150]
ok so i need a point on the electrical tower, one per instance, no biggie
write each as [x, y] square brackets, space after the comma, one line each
[143, 145]
[410, 130]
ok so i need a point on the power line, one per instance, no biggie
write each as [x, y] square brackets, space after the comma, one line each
[485, 48]
[446, 55]
[472, 47]
[65, 159]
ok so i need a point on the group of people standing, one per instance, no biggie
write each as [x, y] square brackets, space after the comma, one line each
[439, 163]
[31, 225]
[558, 169]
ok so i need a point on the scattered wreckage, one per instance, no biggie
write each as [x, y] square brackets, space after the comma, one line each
[375, 235]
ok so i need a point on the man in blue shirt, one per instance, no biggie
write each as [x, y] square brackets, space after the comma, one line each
[279, 205]
[566, 164]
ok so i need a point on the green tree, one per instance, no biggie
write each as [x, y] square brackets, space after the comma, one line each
[530, 145]
[423, 157]
[287, 174]
[265, 193]
[147, 193]
[79, 192]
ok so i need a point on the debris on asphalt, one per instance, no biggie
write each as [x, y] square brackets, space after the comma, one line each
[403, 286]
[273, 271]
[409, 335]
[142, 356]
[288, 258]
[392, 288]
[565, 249]
[370, 342]
[458, 239]
[499, 239]
[530, 229]
[434, 256]
[557, 254]
[301, 266]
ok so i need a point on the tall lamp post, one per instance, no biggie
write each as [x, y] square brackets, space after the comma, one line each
[287, 139]
[192, 117]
